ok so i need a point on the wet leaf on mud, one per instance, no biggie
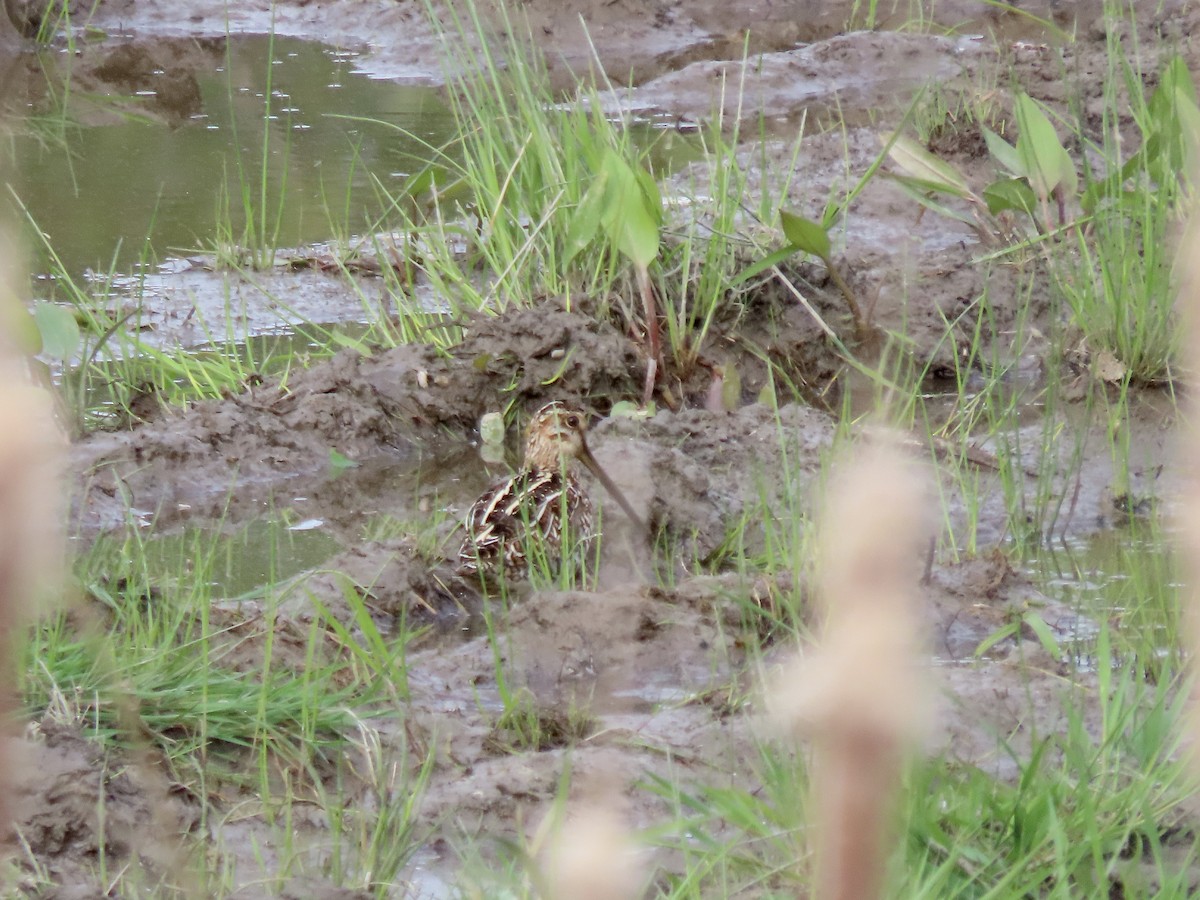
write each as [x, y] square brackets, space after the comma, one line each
[491, 429]
[1000, 634]
[58, 329]
[627, 409]
[308, 524]
[919, 163]
[731, 387]
[767, 395]
[805, 234]
[339, 461]
[725, 390]
[1107, 367]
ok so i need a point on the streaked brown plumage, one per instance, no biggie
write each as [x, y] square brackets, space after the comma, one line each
[533, 504]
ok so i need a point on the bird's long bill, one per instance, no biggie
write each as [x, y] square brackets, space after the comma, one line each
[588, 460]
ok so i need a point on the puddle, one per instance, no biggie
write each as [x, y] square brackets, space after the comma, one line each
[255, 556]
[139, 175]
[1125, 577]
[263, 541]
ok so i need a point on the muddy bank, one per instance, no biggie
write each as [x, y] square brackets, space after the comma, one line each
[393, 402]
[630, 38]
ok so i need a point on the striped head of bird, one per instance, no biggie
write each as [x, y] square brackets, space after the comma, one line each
[556, 435]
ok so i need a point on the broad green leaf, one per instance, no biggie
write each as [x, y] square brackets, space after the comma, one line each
[58, 329]
[650, 192]
[1173, 121]
[771, 259]
[923, 197]
[805, 234]
[350, 343]
[421, 182]
[585, 222]
[1174, 83]
[1170, 128]
[918, 162]
[1041, 155]
[1189, 122]
[1010, 193]
[928, 187]
[1002, 151]
[627, 212]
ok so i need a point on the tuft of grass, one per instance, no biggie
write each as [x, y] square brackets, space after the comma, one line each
[528, 203]
[261, 203]
[146, 655]
[1105, 238]
[1117, 274]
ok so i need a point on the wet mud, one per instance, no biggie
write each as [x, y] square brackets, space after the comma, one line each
[630, 679]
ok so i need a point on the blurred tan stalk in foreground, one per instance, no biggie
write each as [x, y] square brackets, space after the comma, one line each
[860, 696]
[1188, 510]
[592, 857]
[31, 445]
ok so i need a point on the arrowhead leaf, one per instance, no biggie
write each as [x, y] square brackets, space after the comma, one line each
[1041, 155]
[58, 329]
[918, 162]
[805, 234]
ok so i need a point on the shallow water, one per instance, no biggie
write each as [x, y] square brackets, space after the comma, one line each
[1127, 577]
[132, 163]
[133, 180]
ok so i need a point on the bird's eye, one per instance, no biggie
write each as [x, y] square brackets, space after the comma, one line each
[572, 421]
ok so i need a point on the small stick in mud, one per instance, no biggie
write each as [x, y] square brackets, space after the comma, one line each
[859, 696]
[543, 502]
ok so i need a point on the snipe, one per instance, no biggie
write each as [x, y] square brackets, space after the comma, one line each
[535, 503]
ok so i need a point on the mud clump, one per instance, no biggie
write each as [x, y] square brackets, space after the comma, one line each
[396, 583]
[74, 804]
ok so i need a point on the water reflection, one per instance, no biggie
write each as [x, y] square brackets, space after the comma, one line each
[131, 153]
